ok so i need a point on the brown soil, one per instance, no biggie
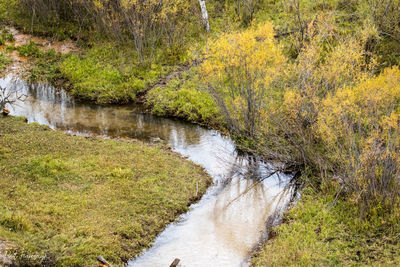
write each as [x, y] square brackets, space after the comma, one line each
[21, 64]
[63, 47]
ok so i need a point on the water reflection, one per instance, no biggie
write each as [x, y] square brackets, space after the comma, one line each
[55, 108]
[231, 217]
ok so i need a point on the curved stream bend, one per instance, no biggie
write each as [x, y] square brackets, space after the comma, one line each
[229, 220]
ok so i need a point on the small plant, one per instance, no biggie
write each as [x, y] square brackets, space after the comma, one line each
[4, 61]
[10, 48]
[6, 35]
[29, 50]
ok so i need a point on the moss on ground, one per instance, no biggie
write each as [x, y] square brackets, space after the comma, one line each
[184, 97]
[68, 199]
[317, 233]
[106, 74]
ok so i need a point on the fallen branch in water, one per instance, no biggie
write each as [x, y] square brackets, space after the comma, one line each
[175, 263]
[103, 262]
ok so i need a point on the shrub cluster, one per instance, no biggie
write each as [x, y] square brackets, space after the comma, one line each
[326, 112]
[146, 24]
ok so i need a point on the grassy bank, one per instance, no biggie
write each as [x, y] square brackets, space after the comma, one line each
[109, 74]
[69, 199]
[317, 233]
[183, 97]
[101, 74]
[108, 68]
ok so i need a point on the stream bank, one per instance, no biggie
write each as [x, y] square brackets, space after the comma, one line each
[229, 220]
[67, 199]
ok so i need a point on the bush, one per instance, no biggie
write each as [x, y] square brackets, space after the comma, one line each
[29, 50]
[238, 71]
[325, 64]
[360, 127]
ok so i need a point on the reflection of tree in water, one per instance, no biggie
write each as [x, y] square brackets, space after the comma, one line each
[10, 96]
[244, 206]
[182, 134]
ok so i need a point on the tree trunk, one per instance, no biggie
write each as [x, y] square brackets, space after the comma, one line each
[204, 14]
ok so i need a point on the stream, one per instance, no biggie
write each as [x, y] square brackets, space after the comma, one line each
[227, 223]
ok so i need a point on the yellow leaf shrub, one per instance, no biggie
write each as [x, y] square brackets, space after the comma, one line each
[238, 72]
[372, 105]
[360, 128]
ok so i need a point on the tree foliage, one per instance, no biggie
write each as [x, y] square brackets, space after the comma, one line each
[238, 71]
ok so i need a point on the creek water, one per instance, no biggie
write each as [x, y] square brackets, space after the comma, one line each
[230, 219]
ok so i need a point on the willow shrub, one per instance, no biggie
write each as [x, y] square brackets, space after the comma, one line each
[238, 71]
[360, 127]
[326, 63]
[340, 120]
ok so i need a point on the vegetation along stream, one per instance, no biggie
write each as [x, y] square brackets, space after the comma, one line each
[230, 219]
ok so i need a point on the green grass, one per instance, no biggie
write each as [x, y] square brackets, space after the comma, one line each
[102, 74]
[184, 98]
[315, 233]
[29, 50]
[5, 36]
[45, 67]
[5, 60]
[105, 74]
[71, 198]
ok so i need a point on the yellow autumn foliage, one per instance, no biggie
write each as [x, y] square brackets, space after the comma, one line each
[322, 68]
[373, 105]
[238, 70]
[360, 128]
[248, 53]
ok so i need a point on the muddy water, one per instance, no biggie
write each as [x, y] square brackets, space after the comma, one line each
[229, 220]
